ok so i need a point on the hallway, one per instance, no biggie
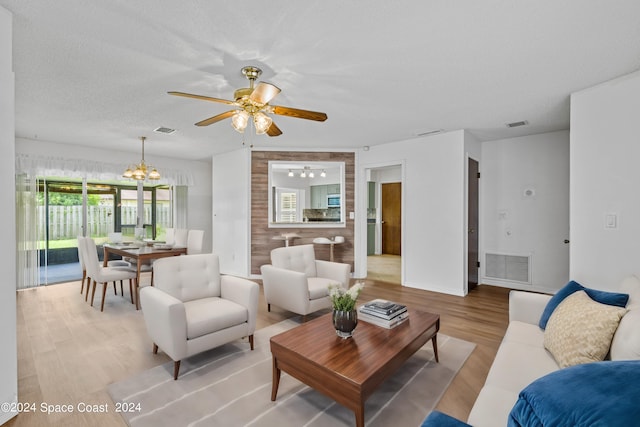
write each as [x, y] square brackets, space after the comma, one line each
[385, 268]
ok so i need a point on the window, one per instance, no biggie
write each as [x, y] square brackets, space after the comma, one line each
[287, 205]
[109, 208]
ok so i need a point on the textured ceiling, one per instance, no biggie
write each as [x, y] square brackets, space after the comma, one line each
[96, 73]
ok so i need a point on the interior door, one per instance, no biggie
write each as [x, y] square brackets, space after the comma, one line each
[391, 202]
[472, 234]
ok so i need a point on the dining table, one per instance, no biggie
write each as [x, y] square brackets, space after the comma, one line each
[141, 254]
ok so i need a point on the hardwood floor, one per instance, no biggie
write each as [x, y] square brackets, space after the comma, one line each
[69, 352]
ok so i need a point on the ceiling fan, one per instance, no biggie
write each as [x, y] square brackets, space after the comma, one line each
[253, 103]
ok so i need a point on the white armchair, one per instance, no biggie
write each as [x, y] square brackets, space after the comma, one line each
[192, 307]
[297, 282]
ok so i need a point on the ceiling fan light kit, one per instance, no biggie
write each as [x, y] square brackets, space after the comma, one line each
[141, 171]
[253, 103]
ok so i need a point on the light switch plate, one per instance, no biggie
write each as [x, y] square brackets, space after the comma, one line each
[611, 220]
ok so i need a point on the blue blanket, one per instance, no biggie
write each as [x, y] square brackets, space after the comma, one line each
[593, 394]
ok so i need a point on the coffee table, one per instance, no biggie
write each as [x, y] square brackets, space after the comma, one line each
[349, 370]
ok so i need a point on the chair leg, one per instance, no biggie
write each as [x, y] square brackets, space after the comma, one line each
[93, 292]
[251, 341]
[84, 276]
[176, 369]
[155, 348]
[131, 290]
[121, 290]
[151, 276]
[268, 307]
[104, 294]
[115, 290]
[86, 297]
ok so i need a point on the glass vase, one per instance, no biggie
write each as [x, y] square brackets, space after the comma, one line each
[345, 322]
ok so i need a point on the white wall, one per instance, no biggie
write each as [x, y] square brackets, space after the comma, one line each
[605, 179]
[433, 208]
[231, 213]
[199, 194]
[537, 225]
[9, 349]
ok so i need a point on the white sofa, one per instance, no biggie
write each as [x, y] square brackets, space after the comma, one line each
[522, 358]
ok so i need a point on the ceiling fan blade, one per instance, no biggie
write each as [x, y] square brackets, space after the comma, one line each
[264, 92]
[214, 119]
[274, 130]
[202, 97]
[300, 114]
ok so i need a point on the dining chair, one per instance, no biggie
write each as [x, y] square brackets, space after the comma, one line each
[101, 274]
[86, 278]
[195, 239]
[170, 236]
[81, 257]
[180, 237]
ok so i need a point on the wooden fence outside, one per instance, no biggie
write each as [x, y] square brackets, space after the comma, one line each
[65, 222]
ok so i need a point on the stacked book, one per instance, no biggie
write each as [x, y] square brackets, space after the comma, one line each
[383, 313]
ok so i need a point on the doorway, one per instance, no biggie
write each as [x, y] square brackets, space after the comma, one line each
[384, 223]
[472, 224]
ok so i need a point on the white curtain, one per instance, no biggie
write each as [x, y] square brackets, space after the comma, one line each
[180, 202]
[91, 169]
[27, 232]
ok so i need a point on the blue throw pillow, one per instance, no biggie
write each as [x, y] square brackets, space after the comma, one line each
[440, 419]
[591, 394]
[609, 298]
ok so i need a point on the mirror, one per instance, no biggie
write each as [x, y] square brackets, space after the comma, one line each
[306, 194]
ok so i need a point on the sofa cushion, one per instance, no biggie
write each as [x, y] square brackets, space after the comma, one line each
[626, 341]
[208, 315]
[319, 287]
[507, 370]
[492, 407]
[592, 394]
[610, 298]
[580, 330]
[524, 333]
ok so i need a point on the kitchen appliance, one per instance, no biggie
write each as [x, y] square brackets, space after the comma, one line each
[333, 200]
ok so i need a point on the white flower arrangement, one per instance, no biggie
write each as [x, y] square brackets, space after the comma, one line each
[343, 299]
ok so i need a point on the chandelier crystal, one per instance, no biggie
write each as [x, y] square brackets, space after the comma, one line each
[141, 171]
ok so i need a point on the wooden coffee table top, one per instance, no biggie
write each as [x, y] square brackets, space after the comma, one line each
[364, 360]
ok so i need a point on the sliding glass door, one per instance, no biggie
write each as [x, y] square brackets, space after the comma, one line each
[109, 208]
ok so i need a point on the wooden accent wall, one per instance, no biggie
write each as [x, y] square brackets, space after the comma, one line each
[262, 241]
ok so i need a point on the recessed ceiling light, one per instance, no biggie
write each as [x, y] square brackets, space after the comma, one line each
[517, 124]
[163, 129]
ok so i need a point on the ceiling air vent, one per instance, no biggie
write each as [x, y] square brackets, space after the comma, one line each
[517, 124]
[429, 132]
[163, 129]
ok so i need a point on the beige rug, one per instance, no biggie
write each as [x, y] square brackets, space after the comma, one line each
[231, 386]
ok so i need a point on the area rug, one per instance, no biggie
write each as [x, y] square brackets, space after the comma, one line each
[231, 386]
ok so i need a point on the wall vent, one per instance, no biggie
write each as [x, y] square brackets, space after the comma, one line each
[517, 124]
[514, 268]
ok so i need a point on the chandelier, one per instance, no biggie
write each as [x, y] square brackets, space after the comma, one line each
[141, 171]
